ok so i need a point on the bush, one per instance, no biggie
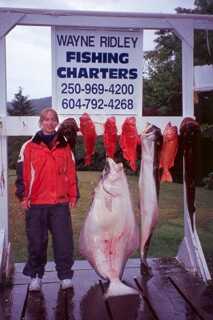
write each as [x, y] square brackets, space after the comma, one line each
[208, 181]
[14, 146]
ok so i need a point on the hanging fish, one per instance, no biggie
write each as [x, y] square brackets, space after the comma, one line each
[189, 136]
[169, 151]
[129, 140]
[110, 137]
[109, 234]
[87, 129]
[149, 183]
[68, 130]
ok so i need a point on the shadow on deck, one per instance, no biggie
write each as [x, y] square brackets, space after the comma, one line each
[171, 293]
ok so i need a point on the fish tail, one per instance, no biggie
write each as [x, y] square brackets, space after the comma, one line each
[166, 176]
[118, 288]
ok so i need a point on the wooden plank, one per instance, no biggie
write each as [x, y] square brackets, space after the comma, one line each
[2, 317]
[159, 298]
[163, 300]
[162, 269]
[13, 301]
[130, 307]
[50, 293]
[83, 301]
[85, 297]
[196, 294]
[129, 277]
[125, 307]
[64, 309]
[35, 308]
[87, 302]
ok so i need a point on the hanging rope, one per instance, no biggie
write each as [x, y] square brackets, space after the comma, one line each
[207, 43]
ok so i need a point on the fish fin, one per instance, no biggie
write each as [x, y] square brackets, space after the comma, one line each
[166, 176]
[118, 288]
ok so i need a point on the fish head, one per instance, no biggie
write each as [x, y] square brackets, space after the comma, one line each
[151, 132]
[110, 125]
[85, 121]
[67, 132]
[68, 128]
[112, 169]
[129, 125]
[170, 132]
[189, 128]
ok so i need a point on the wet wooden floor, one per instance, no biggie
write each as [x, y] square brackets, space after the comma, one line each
[170, 293]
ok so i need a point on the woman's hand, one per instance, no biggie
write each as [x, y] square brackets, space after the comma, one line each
[25, 204]
[73, 202]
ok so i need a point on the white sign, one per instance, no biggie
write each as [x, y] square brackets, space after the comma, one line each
[99, 72]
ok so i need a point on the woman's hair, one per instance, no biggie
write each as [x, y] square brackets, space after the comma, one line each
[44, 113]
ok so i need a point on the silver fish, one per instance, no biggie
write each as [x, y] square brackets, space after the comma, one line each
[149, 181]
[110, 233]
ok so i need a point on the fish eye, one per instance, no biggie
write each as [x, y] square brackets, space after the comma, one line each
[106, 169]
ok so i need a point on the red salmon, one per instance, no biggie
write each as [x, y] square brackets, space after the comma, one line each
[87, 129]
[169, 151]
[129, 140]
[110, 137]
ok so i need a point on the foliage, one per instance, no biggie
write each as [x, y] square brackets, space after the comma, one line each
[162, 86]
[208, 181]
[21, 105]
[14, 146]
[207, 131]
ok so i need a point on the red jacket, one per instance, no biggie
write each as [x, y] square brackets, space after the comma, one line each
[48, 175]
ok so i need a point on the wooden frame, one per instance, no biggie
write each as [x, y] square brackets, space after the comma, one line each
[190, 251]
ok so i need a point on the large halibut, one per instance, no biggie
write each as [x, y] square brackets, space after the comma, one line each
[109, 234]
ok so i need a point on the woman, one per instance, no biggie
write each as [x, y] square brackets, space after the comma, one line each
[46, 185]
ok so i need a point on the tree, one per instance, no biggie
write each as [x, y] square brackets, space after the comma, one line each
[203, 44]
[162, 87]
[203, 54]
[21, 105]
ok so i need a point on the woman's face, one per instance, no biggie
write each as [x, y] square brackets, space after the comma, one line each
[49, 123]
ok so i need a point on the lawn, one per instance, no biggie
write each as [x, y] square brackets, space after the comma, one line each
[168, 233]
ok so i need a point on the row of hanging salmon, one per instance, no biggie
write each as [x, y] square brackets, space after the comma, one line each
[129, 140]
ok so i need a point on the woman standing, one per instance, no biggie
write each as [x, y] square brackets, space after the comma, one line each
[46, 185]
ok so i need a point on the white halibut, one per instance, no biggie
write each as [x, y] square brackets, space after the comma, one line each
[110, 235]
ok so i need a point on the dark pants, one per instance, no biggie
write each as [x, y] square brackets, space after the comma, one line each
[40, 219]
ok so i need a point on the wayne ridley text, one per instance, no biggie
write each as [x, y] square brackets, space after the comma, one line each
[97, 57]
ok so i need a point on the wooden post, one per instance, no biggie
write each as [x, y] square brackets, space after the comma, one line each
[3, 144]
[190, 252]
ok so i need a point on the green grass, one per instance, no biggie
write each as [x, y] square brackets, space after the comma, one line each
[167, 236]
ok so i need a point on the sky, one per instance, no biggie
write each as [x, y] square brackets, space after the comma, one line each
[29, 48]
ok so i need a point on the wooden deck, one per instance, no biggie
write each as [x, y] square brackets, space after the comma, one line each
[170, 294]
